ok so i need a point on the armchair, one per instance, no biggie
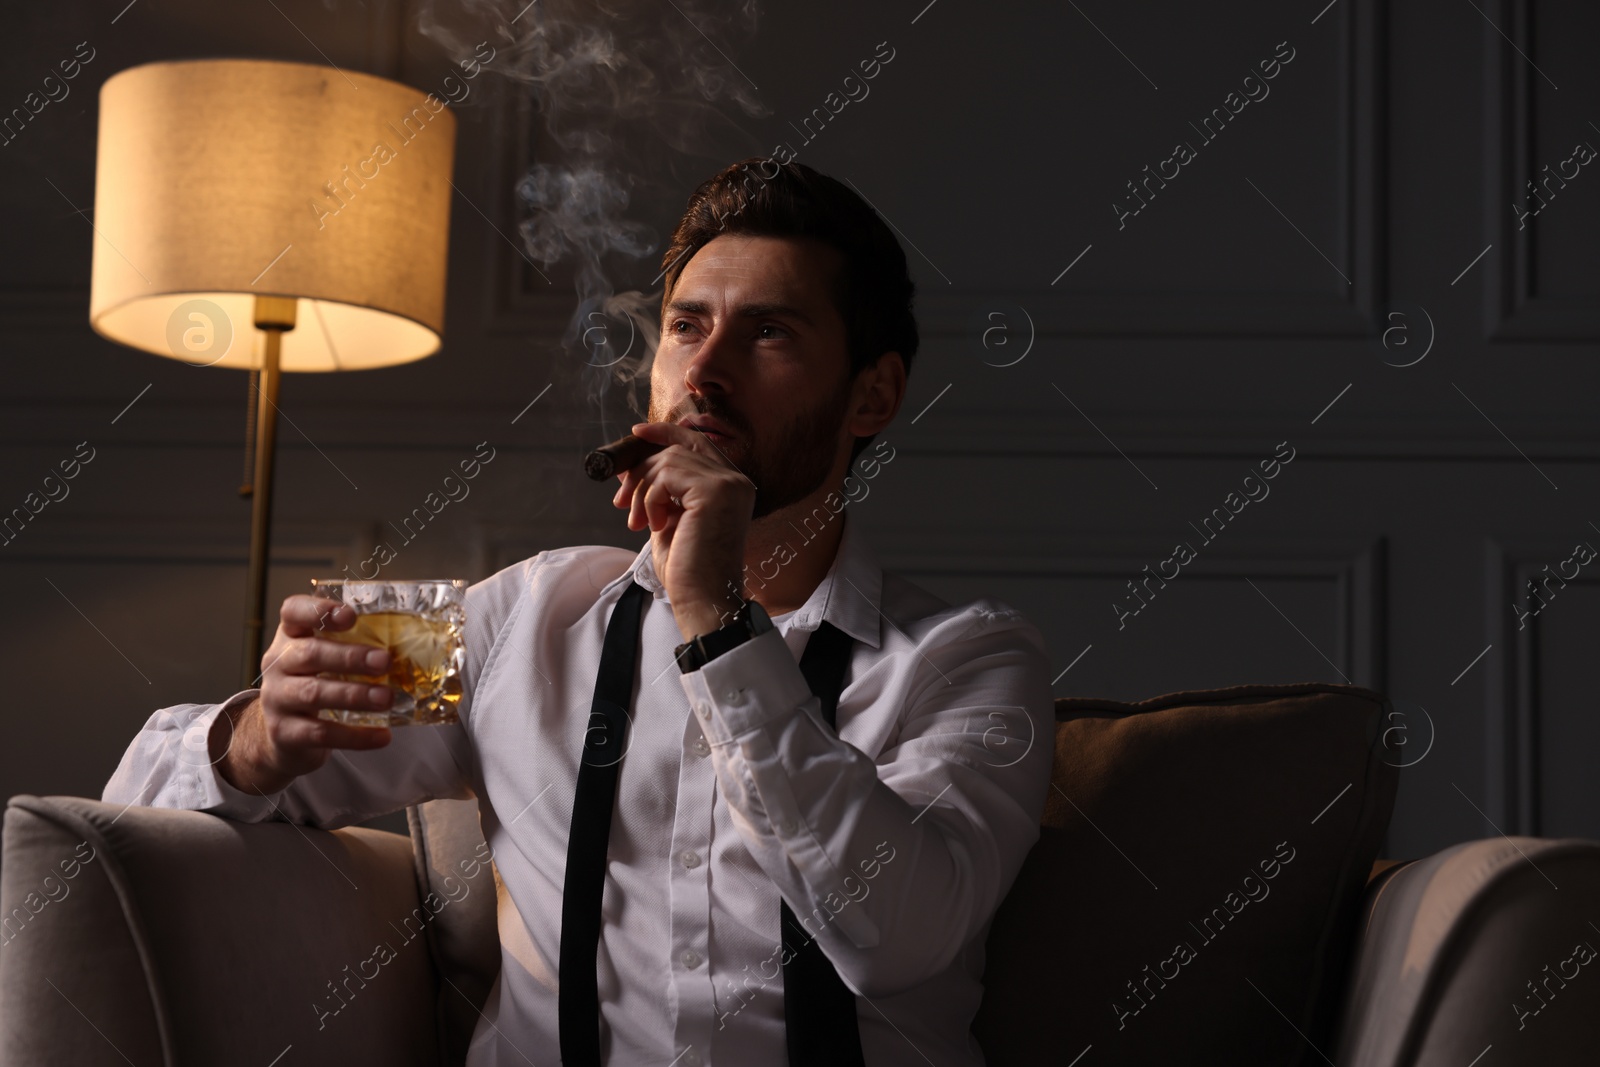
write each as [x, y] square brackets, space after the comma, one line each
[173, 937]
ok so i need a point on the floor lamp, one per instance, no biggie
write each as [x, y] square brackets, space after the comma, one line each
[272, 217]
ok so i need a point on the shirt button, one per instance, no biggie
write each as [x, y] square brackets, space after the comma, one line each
[691, 1058]
[690, 859]
[785, 826]
[691, 958]
[701, 747]
[731, 695]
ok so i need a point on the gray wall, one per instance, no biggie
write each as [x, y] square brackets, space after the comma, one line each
[1172, 350]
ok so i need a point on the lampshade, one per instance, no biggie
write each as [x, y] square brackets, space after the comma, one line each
[221, 180]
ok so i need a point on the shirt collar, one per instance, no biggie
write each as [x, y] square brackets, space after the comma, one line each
[849, 595]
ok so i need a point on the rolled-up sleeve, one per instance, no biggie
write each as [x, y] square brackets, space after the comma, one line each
[893, 863]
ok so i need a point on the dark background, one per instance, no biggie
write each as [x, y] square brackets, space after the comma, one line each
[1243, 307]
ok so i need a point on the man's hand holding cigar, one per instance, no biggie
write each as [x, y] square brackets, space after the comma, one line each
[698, 510]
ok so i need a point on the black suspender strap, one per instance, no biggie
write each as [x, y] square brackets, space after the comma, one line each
[578, 1003]
[819, 1011]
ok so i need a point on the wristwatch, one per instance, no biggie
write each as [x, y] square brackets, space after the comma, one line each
[749, 621]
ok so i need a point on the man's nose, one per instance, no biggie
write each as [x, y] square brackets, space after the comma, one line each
[713, 364]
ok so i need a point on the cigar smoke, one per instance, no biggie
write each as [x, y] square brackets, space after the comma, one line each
[636, 102]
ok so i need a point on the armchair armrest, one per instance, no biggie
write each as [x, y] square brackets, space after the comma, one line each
[174, 937]
[1486, 944]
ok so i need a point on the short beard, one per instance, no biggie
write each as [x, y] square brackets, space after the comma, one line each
[801, 455]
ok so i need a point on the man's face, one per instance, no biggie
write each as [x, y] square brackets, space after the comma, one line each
[752, 343]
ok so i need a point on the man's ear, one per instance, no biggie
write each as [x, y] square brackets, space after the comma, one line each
[877, 395]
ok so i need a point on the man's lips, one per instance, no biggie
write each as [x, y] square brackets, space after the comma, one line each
[713, 429]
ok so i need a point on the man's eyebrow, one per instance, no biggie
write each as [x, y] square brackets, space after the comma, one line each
[748, 311]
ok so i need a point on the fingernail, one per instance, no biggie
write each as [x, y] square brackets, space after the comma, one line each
[377, 659]
[378, 694]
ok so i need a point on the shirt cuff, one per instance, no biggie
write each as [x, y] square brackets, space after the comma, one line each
[746, 688]
[216, 794]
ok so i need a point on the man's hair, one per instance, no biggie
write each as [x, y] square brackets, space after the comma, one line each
[761, 197]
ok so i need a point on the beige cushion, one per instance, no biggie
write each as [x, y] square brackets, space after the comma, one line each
[454, 865]
[1193, 894]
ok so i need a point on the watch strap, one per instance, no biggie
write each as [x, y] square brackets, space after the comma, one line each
[703, 648]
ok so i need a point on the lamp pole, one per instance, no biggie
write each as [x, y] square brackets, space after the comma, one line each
[274, 316]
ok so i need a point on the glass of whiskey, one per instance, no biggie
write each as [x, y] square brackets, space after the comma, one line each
[420, 624]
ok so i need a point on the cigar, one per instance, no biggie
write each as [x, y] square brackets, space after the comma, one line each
[618, 456]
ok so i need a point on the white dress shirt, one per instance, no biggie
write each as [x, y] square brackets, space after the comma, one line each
[893, 841]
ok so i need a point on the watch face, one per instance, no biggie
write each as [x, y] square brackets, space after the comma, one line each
[760, 622]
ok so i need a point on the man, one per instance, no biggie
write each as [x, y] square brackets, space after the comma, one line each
[775, 888]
